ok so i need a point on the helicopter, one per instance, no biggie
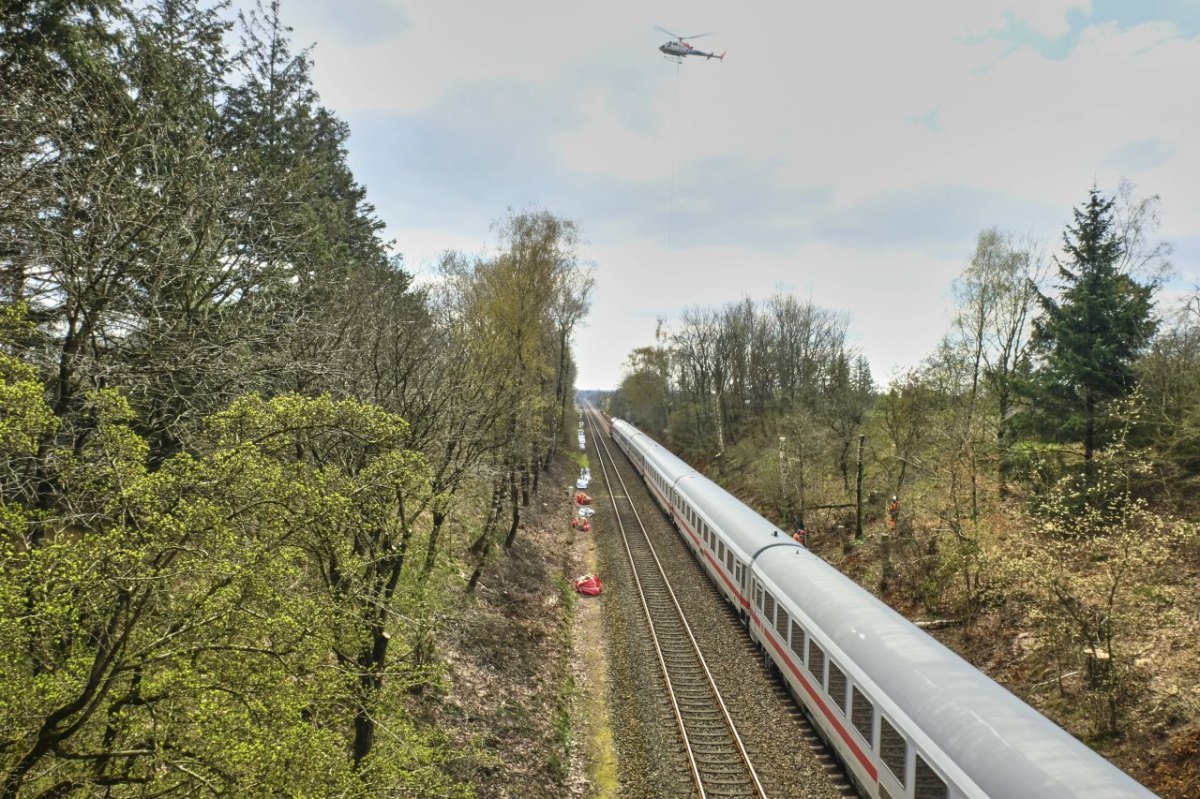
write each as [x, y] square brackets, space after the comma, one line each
[678, 48]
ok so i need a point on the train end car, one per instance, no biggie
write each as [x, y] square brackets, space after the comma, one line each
[907, 716]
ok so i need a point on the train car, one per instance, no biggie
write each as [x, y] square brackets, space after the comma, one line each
[698, 507]
[909, 718]
[659, 467]
[628, 437]
[724, 534]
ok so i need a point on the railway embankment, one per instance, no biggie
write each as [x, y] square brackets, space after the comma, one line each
[522, 701]
[782, 746]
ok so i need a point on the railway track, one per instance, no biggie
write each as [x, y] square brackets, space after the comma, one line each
[716, 756]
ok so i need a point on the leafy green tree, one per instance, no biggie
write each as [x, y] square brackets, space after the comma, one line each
[223, 623]
[1169, 381]
[1095, 577]
[363, 494]
[155, 638]
[1085, 343]
[303, 218]
[513, 313]
[847, 397]
[644, 396]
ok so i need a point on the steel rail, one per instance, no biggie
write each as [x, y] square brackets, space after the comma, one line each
[602, 449]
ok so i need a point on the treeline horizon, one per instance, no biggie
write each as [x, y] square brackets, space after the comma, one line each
[245, 464]
[718, 374]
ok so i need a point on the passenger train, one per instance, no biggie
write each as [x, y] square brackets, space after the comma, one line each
[907, 717]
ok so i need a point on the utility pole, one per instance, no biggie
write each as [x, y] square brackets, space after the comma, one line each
[858, 514]
[783, 480]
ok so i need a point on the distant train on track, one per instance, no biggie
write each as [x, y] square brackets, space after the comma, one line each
[908, 717]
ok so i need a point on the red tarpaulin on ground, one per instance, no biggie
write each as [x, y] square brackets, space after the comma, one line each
[582, 499]
[581, 524]
[588, 584]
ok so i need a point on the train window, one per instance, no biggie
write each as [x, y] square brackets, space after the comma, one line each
[758, 596]
[928, 785]
[816, 661]
[798, 640]
[862, 713]
[837, 686]
[893, 749]
[729, 559]
[883, 793]
[720, 550]
[781, 623]
[769, 608]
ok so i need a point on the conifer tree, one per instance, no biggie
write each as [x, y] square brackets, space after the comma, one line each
[1085, 341]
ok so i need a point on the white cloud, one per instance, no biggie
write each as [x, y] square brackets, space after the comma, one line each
[604, 145]
[817, 101]
[1049, 17]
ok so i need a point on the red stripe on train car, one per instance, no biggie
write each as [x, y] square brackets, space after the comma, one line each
[788, 658]
[770, 636]
[733, 587]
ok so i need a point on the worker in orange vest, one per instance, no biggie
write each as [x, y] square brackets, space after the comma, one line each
[801, 534]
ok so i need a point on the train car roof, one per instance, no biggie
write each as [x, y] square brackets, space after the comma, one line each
[626, 427]
[667, 463]
[1007, 747]
[739, 525]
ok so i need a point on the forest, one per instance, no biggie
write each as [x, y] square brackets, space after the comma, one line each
[1031, 486]
[245, 460]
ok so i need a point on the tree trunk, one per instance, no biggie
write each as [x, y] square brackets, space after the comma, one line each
[516, 511]
[481, 547]
[438, 519]
[371, 662]
[885, 554]
[524, 483]
[1089, 439]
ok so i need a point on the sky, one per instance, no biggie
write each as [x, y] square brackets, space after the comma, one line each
[847, 153]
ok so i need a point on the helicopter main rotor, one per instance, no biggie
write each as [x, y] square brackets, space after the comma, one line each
[677, 36]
